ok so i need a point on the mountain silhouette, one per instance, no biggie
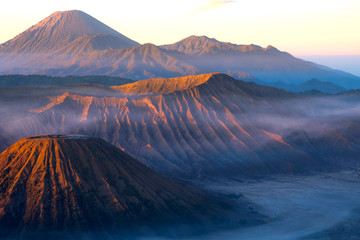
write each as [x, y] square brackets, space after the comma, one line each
[74, 43]
[67, 30]
[312, 84]
[266, 64]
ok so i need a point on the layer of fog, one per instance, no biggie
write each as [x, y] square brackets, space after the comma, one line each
[315, 115]
[298, 206]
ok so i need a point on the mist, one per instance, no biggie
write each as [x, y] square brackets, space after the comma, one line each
[166, 138]
[299, 207]
[348, 63]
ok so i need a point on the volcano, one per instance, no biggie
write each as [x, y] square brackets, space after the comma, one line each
[64, 29]
[78, 183]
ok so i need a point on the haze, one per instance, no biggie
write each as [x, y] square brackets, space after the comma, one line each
[303, 27]
[348, 63]
[260, 144]
[301, 207]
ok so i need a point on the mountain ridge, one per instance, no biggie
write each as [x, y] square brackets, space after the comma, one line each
[164, 85]
[312, 84]
[202, 45]
[182, 132]
[39, 50]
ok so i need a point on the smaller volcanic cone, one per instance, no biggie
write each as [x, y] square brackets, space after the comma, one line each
[76, 183]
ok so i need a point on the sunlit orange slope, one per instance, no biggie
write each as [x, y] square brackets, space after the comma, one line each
[76, 183]
[164, 85]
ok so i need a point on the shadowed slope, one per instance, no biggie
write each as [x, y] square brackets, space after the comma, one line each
[142, 62]
[198, 126]
[76, 183]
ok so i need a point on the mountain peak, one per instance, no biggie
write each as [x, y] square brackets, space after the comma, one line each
[270, 48]
[60, 29]
[203, 45]
[68, 12]
[193, 44]
[74, 22]
[199, 38]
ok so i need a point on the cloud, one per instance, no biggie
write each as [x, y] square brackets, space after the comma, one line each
[211, 4]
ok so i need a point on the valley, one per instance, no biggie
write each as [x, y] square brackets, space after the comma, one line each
[315, 207]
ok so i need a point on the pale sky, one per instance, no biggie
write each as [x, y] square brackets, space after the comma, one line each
[306, 27]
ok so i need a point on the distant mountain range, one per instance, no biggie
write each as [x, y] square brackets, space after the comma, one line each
[45, 81]
[41, 80]
[313, 84]
[74, 43]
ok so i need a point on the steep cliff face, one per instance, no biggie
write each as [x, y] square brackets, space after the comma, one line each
[52, 183]
[197, 126]
[193, 126]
